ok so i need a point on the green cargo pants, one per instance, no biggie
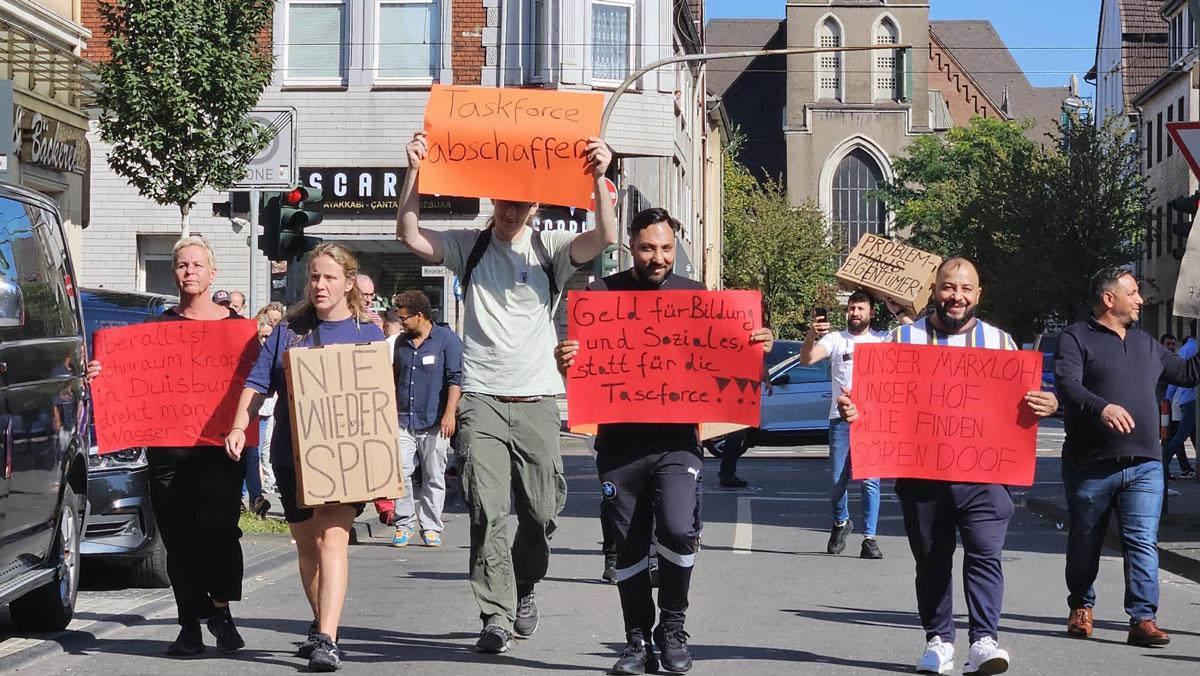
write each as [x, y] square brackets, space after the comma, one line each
[510, 455]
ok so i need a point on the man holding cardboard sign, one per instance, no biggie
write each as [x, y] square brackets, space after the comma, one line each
[509, 422]
[936, 511]
[335, 443]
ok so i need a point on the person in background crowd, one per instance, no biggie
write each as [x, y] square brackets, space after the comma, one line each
[237, 302]
[366, 286]
[935, 512]
[221, 298]
[196, 492]
[508, 417]
[1184, 399]
[252, 488]
[820, 343]
[272, 311]
[427, 367]
[1106, 372]
[649, 477]
[332, 313]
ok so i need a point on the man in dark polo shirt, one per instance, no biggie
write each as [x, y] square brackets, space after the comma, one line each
[1106, 373]
[648, 477]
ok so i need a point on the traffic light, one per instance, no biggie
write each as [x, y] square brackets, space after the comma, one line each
[1184, 205]
[283, 217]
[607, 262]
[298, 208]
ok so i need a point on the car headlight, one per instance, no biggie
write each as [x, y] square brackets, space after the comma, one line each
[130, 458]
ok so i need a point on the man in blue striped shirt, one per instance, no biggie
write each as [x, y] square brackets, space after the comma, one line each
[935, 511]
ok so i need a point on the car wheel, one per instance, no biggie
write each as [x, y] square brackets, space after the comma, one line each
[736, 443]
[150, 571]
[50, 607]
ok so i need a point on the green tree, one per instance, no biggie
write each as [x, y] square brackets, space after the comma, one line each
[1037, 220]
[780, 250]
[176, 93]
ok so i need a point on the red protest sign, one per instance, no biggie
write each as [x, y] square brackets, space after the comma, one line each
[947, 413]
[664, 357]
[171, 383]
[525, 145]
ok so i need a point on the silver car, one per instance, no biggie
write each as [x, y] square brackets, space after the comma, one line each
[796, 403]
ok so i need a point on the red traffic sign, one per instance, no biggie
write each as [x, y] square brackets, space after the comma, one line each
[612, 194]
[1187, 137]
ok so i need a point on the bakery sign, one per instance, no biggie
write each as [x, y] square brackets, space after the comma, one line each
[375, 192]
[46, 142]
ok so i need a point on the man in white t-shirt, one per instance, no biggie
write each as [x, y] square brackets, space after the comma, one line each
[838, 347]
[512, 277]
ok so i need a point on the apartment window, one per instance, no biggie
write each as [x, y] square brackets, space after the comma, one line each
[1179, 110]
[408, 40]
[886, 71]
[1158, 130]
[1170, 141]
[829, 65]
[612, 28]
[1158, 231]
[314, 37]
[1149, 145]
[539, 39]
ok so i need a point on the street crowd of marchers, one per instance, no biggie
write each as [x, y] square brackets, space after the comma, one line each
[495, 390]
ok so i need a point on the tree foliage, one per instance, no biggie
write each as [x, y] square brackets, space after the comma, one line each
[175, 95]
[782, 251]
[1037, 220]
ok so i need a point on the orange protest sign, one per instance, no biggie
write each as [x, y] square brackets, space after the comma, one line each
[525, 145]
[171, 383]
[945, 413]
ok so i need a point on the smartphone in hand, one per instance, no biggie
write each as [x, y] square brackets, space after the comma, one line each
[820, 313]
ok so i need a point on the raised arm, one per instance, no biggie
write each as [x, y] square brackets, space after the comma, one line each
[593, 243]
[424, 242]
[813, 351]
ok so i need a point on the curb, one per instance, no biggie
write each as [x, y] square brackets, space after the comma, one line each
[1168, 559]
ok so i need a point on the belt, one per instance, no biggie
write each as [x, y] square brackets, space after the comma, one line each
[1126, 460]
[518, 400]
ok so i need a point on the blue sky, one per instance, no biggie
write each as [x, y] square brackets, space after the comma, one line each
[1049, 38]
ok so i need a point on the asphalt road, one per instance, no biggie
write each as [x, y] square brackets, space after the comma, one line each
[766, 599]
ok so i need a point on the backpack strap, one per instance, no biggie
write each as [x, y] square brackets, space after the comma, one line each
[543, 256]
[481, 244]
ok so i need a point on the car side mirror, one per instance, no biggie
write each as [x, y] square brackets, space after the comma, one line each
[782, 379]
[12, 305]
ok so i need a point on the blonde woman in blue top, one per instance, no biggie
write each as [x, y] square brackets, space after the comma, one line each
[332, 313]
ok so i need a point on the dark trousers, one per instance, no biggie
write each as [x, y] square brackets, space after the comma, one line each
[652, 494]
[934, 513]
[196, 495]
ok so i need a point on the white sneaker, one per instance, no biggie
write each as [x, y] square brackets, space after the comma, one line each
[986, 658]
[938, 657]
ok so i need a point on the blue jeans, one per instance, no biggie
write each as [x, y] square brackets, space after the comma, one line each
[1187, 428]
[252, 486]
[1135, 492]
[839, 463]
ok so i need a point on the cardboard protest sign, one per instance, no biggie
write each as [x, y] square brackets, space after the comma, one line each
[947, 413]
[345, 437]
[525, 145]
[171, 384]
[664, 357]
[886, 268]
[1187, 287]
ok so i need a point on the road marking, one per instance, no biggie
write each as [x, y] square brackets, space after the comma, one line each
[743, 533]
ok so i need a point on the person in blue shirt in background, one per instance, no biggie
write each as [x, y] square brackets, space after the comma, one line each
[1185, 399]
[332, 313]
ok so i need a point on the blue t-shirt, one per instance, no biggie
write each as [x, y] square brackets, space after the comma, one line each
[267, 375]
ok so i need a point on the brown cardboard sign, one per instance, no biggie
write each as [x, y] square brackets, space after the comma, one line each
[1187, 287]
[888, 268]
[345, 436]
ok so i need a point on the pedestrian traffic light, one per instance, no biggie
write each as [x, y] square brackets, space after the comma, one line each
[299, 208]
[607, 262]
[1185, 205]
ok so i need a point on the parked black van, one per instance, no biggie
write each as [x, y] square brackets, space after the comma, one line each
[120, 520]
[43, 414]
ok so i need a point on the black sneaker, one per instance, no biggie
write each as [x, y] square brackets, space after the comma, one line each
[610, 571]
[527, 615]
[260, 507]
[310, 644]
[637, 657]
[837, 537]
[220, 624]
[325, 655]
[733, 482]
[1187, 474]
[493, 639]
[673, 650]
[189, 643]
[870, 550]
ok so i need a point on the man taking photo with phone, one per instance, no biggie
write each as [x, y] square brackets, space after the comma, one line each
[820, 343]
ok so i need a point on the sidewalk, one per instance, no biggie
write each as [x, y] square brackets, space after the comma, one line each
[1178, 534]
